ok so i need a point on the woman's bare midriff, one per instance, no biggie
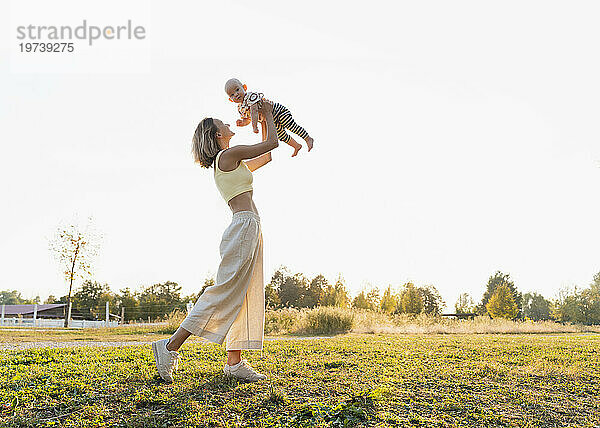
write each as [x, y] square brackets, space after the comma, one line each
[243, 202]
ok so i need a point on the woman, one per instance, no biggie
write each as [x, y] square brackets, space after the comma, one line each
[233, 309]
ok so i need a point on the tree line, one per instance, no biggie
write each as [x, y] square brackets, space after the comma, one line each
[90, 298]
[501, 298]
[287, 290]
[75, 247]
[156, 301]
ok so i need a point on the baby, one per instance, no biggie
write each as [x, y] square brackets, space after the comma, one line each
[248, 104]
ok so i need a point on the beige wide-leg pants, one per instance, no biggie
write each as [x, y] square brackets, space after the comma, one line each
[233, 309]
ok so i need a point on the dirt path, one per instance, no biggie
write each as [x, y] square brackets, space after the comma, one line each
[16, 346]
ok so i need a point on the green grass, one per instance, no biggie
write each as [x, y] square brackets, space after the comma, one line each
[359, 380]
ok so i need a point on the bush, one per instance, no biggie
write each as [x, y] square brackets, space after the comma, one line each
[282, 321]
[174, 320]
[328, 319]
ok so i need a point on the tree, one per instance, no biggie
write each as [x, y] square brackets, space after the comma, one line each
[158, 300]
[591, 297]
[88, 298]
[568, 306]
[315, 291]
[273, 288]
[535, 307]
[271, 297]
[336, 295]
[432, 301]
[128, 300]
[292, 291]
[494, 281]
[360, 301]
[91, 299]
[306, 299]
[367, 299]
[373, 298]
[50, 299]
[591, 306]
[389, 301]
[595, 285]
[579, 305]
[12, 297]
[287, 290]
[464, 304]
[75, 247]
[410, 300]
[502, 303]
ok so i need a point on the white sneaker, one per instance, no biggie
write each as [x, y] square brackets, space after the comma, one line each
[243, 370]
[166, 361]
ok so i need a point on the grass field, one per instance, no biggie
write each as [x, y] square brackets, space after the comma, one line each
[351, 380]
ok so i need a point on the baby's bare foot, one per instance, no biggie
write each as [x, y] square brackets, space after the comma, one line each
[297, 146]
[309, 142]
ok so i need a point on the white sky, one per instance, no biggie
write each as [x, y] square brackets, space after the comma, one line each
[452, 139]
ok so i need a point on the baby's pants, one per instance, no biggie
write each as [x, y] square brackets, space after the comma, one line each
[233, 309]
[283, 120]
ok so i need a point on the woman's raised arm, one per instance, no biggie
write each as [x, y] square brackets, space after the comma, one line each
[250, 151]
[265, 158]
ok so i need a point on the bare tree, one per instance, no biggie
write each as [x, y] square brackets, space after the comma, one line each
[464, 304]
[75, 247]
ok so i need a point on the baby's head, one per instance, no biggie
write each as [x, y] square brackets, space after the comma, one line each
[235, 90]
